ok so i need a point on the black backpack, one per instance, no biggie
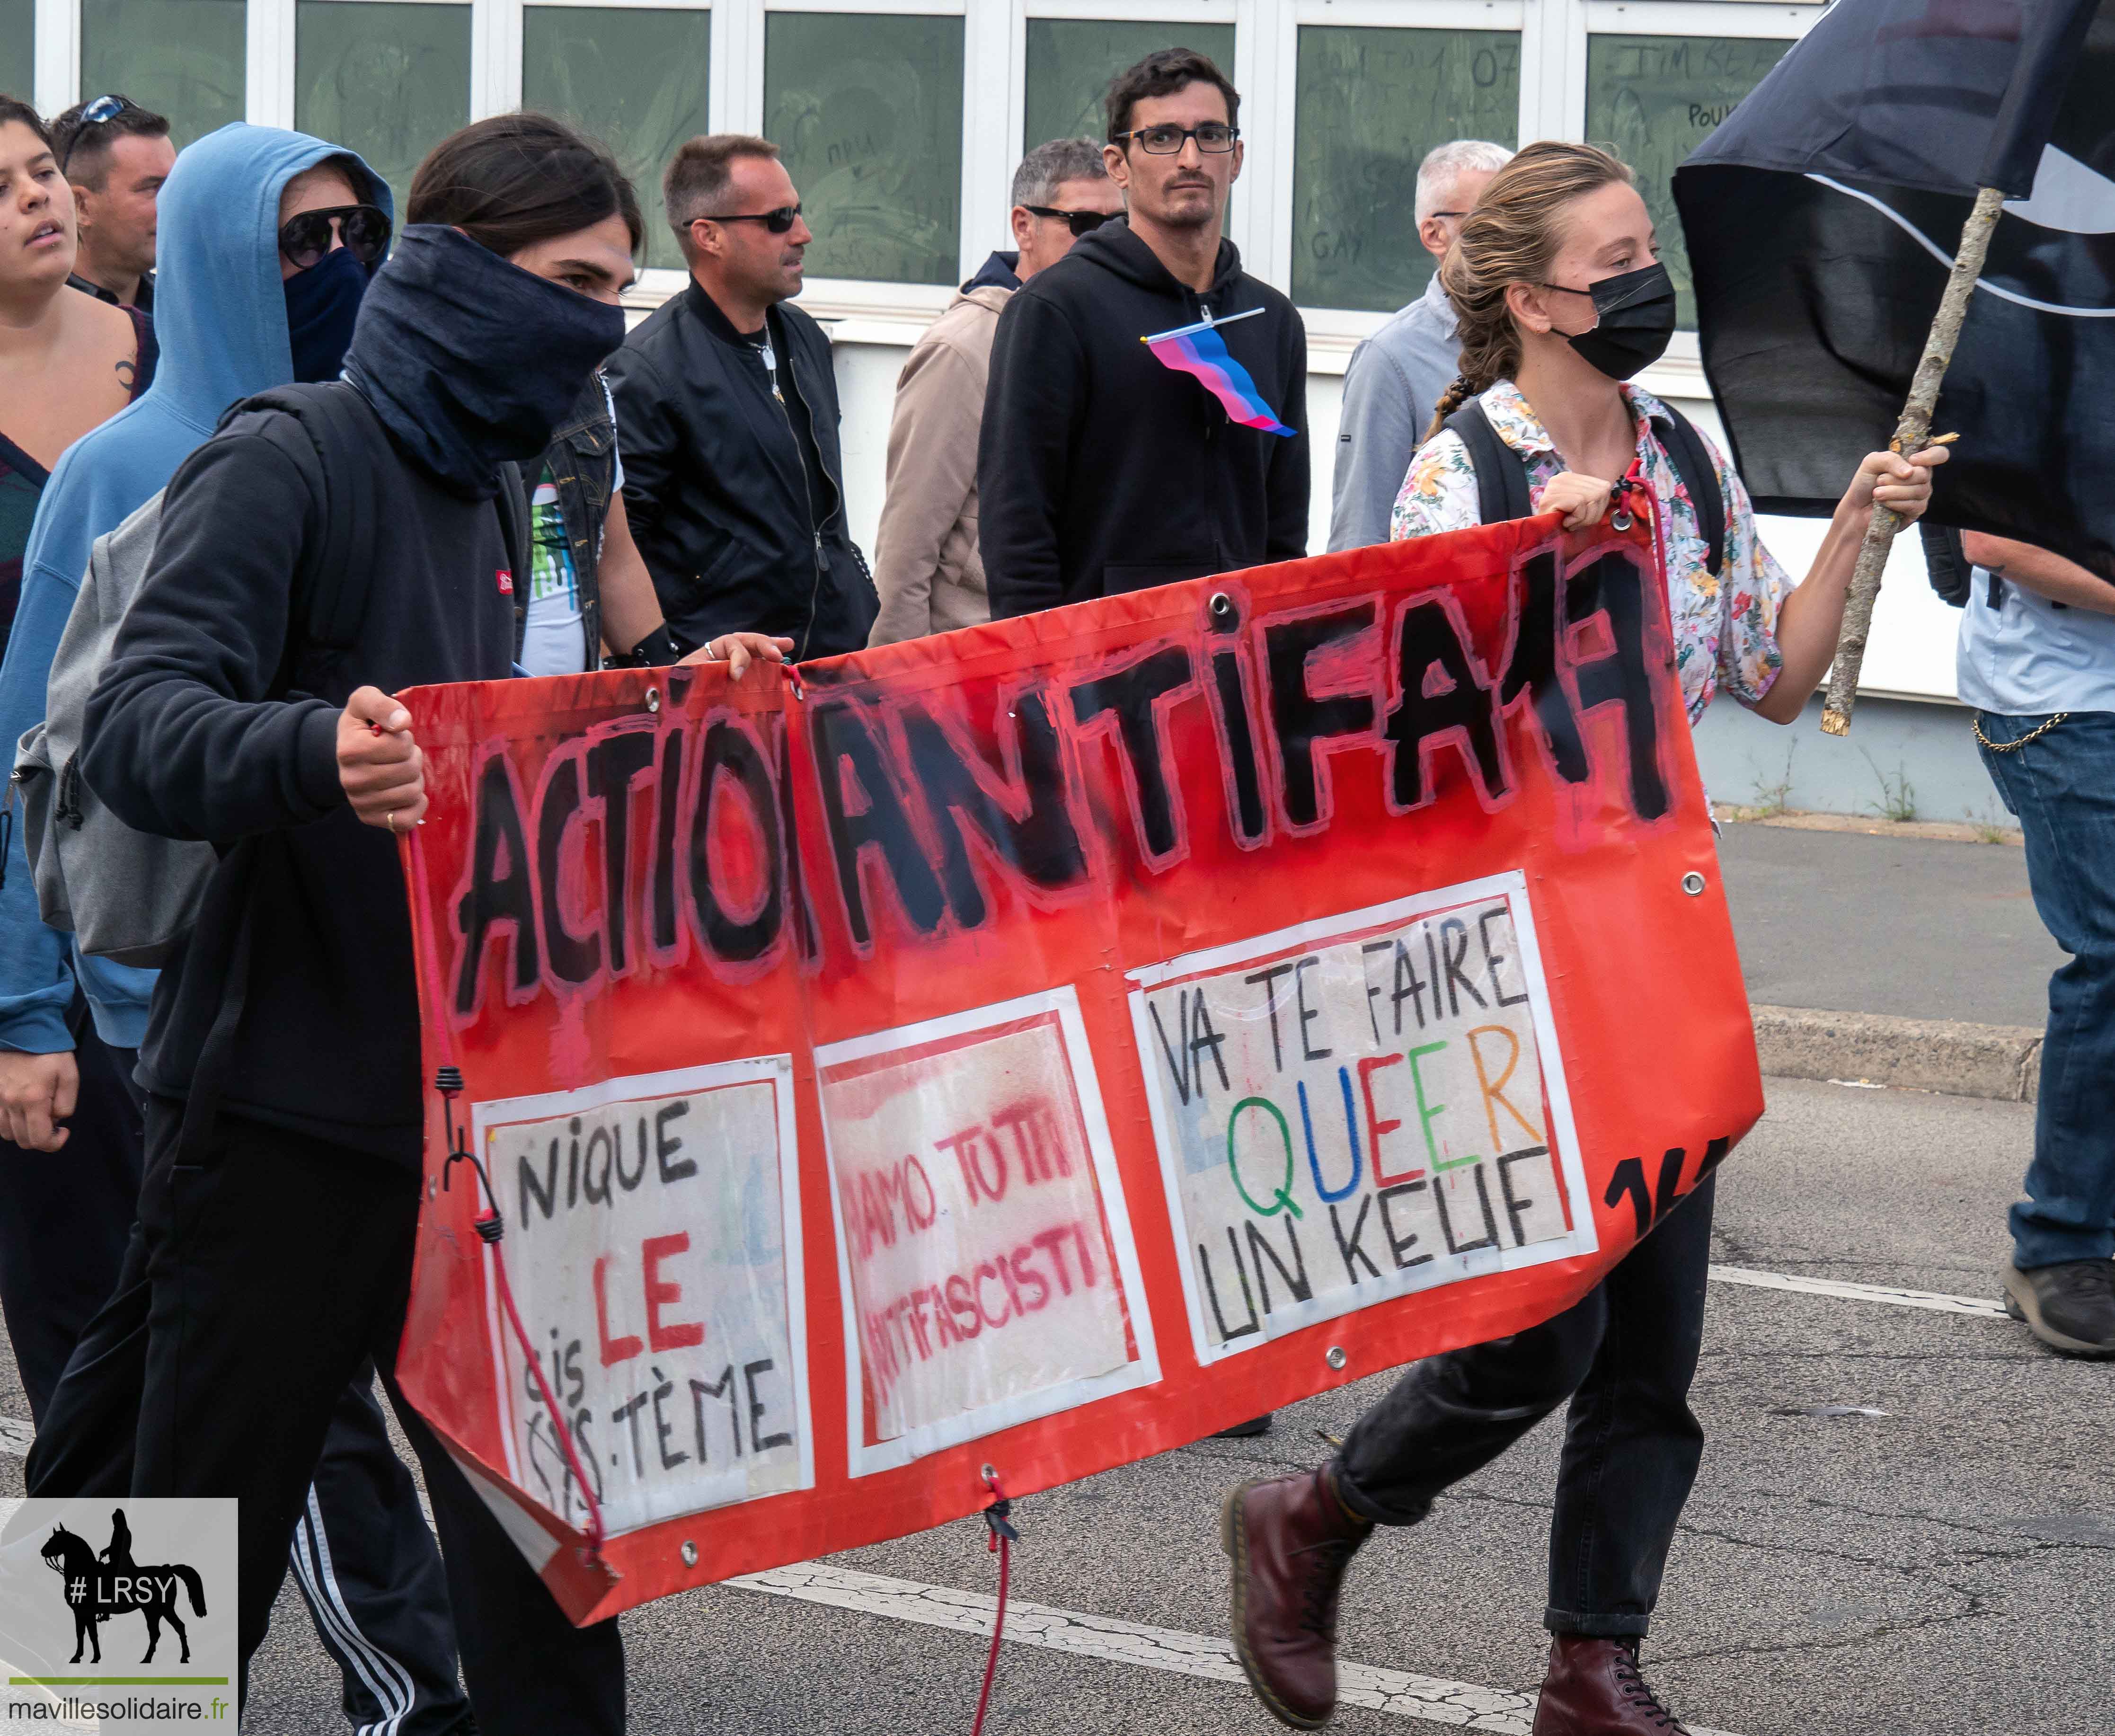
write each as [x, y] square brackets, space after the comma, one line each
[1501, 491]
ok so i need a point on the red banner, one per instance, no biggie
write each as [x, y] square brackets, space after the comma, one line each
[1039, 1046]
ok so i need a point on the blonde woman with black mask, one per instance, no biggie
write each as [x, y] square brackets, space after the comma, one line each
[1562, 298]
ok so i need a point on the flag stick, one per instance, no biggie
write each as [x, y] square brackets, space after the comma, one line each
[1911, 435]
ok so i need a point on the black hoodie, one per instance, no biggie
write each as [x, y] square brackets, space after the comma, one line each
[1100, 469]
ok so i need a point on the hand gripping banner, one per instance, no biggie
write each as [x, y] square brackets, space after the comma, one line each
[1046, 1044]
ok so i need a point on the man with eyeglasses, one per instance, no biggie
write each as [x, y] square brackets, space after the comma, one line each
[1099, 469]
[115, 155]
[1397, 374]
[927, 566]
[727, 406]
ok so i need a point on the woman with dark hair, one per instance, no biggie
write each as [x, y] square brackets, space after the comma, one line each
[68, 362]
[281, 1063]
[1557, 280]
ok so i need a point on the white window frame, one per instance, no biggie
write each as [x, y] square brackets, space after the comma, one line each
[1552, 104]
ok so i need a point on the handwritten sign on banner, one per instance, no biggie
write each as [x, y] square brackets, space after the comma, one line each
[1041, 1045]
[1360, 1109]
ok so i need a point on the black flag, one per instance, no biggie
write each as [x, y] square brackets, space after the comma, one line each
[1821, 219]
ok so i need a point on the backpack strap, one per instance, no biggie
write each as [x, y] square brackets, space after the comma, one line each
[1700, 477]
[1501, 491]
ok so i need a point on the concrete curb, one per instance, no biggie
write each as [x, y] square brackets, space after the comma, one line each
[1962, 1060]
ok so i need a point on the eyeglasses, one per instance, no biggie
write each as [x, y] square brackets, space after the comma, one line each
[364, 230]
[102, 110]
[777, 222]
[1165, 140]
[1079, 223]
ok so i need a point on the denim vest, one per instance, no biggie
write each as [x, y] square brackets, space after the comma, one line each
[582, 461]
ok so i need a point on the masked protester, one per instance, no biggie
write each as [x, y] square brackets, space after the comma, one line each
[1555, 278]
[251, 210]
[279, 1230]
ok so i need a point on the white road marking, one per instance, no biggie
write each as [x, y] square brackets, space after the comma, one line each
[1428, 1698]
[1893, 1296]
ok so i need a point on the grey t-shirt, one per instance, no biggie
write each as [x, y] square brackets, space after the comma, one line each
[1395, 377]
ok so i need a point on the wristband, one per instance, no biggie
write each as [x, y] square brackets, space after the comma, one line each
[656, 649]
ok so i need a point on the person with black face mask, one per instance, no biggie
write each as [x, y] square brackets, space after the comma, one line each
[278, 1221]
[1561, 298]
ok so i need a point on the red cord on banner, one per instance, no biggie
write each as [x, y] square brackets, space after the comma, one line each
[491, 1226]
[1001, 1537]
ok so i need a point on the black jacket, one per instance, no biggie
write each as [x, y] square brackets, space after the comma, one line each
[582, 460]
[715, 487]
[197, 730]
[1101, 470]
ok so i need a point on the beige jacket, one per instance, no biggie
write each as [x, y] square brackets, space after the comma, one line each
[926, 563]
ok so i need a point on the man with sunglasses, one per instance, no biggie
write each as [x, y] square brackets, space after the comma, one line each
[1099, 469]
[927, 566]
[115, 155]
[727, 405]
[1396, 375]
[242, 200]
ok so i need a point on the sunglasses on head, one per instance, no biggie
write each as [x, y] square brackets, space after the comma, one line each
[1079, 223]
[98, 113]
[305, 238]
[777, 222]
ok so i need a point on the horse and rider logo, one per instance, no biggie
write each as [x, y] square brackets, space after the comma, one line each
[98, 1586]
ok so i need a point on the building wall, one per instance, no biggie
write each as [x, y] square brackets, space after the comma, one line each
[902, 120]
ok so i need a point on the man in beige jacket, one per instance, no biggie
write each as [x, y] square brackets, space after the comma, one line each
[927, 566]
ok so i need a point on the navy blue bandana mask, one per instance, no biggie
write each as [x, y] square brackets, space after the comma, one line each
[322, 304]
[470, 361]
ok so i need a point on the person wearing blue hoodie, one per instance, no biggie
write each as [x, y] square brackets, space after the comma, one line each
[267, 239]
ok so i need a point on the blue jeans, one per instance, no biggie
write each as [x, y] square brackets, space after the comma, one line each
[2062, 786]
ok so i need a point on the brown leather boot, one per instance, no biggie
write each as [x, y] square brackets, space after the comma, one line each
[1290, 1539]
[1593, 1689]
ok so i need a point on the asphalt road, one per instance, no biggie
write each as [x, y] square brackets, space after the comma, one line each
[1945, 1569]
[1855, 923]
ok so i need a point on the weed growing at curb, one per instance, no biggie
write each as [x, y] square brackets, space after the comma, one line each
[1897, 794]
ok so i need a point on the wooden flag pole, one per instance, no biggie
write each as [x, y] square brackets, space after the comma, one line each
[1912, 434]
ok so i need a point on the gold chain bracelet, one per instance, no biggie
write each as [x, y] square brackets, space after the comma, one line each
[2005, 747]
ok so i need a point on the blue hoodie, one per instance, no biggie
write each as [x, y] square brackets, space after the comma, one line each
[220, 317]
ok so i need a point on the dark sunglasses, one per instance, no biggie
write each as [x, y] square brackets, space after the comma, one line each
[777, 222]
[99, 112]
[1166, 139]
[1079, 223]
[364, 230]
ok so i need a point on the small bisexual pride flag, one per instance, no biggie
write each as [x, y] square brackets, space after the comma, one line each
[1199, 350]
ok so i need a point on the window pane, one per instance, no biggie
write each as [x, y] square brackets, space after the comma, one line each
[1371, 103]
[183, 58]
[868, 112]
[1072, 61]
[390, 80]
[633, 79]
[1653, 99]
[18, 45]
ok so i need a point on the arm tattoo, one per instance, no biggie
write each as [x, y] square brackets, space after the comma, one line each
[127, 372]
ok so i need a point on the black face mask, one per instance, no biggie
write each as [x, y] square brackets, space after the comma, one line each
[1636, 310]
[321, 304]
[469, 360]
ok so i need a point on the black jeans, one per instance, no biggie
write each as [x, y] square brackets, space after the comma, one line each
[278, 1266]
[64, 1213]
[1625, 1356]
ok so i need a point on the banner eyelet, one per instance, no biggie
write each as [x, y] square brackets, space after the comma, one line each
[1692, 883]
[1621, 519]
[1335, 1357]
[652, 699]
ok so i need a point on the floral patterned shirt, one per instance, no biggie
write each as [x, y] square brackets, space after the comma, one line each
[1725, 625]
